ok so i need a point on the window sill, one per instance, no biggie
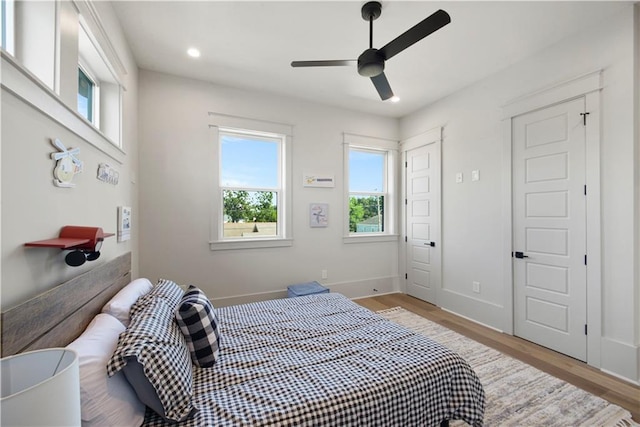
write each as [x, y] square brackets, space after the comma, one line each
[223, 245]
[373, 238]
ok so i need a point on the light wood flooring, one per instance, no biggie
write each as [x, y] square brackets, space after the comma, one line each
[566, 368]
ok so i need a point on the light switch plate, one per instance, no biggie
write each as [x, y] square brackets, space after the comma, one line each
[475, 175]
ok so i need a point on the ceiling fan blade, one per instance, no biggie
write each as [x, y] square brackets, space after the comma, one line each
[327, 63]
[416, 33]
[382, 86]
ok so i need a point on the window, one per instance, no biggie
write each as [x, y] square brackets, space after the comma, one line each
[253, 203]
[99, 92]
[8, 17]
[370, 189]
[87, 95]
[250, 183]
[366, 190]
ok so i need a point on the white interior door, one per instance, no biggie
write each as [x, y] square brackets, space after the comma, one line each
[423, 252]
[549, 221]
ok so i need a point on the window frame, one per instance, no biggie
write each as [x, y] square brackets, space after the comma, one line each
[95, 98]
[262, 137]
[390, 182]
[8, 26]
[44, 92]
[258, 129]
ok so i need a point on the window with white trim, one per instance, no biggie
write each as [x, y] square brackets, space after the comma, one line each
[253, 201]
[370, 188]
[99, 93]
[88, 96]
[7, 19]
[367, 190]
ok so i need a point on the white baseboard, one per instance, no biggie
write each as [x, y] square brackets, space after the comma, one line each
[352, 289]
[367, 287]
[621, 360]
[473, 320]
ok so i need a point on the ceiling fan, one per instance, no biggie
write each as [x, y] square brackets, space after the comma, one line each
[371, 62]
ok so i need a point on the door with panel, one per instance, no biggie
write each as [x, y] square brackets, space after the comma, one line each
[422, 202]
[549, 227]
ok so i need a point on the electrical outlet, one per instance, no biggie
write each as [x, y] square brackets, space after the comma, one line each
[324, 274]
[475, 175]
[459, 178]
[476, 287]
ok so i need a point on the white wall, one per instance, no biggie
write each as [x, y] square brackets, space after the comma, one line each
[472, 229]
[32, 207]
[176, 170]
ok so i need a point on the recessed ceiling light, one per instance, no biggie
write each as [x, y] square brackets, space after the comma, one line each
[395, 98]
[193, 52]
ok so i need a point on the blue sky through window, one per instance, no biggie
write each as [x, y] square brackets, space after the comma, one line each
[366, 171]
[248, 162]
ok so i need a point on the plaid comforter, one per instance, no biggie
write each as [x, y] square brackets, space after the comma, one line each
[322, 360]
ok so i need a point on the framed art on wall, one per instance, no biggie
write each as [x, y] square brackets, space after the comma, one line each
[319, 215]
[124, 223]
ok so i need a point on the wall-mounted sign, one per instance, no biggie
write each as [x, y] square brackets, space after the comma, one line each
[67, 165]
[107, 174]
[316, 180]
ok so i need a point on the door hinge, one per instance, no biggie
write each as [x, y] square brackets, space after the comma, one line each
[405, 201]
[584, 117]
[585, 329]
[405, 239]
[406, 276]
[585, 260]
[406, 164]
[585, 190]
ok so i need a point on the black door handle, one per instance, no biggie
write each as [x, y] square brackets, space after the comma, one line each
[432, 244]
[520, 255]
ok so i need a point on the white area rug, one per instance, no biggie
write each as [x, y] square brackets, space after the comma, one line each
[518, 394]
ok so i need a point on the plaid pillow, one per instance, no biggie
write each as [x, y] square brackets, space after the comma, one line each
[154, 341]
[199, 324]
[164, 289]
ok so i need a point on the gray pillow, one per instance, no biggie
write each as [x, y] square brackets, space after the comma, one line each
[160, 361]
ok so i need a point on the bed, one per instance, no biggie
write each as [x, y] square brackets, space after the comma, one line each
[316, 360]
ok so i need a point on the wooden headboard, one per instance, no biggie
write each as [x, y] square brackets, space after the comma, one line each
[58, 316]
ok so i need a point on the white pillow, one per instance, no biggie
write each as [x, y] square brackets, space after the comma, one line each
[120, 305]
[106, 401]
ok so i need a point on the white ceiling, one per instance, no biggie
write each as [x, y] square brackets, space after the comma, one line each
[250, 45]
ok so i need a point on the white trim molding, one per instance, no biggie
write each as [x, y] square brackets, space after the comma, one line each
[589, 86]
[91, 17]
[390, 146]
[431, 136]
[556, 93]
[225, 121]
[424, 138]
[24, 85]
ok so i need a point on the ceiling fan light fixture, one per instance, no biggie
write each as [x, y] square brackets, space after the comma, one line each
[370, 63]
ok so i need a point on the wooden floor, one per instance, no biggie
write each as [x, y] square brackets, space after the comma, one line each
[566, 368]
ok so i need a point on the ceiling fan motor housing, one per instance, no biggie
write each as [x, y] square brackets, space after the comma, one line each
[370, 63]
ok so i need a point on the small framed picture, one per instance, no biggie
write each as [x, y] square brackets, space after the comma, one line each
[124, 223]
[319, 215]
